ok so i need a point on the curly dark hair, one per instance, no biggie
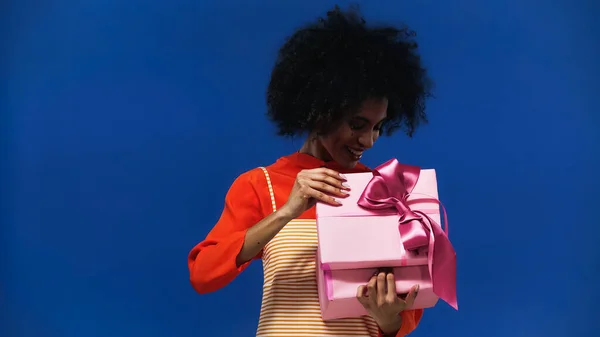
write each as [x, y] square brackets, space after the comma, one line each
[327, 69]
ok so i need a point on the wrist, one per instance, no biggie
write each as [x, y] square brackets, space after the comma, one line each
[284, 215]
[391, 327]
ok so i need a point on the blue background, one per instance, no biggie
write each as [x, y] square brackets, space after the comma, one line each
[125, 122]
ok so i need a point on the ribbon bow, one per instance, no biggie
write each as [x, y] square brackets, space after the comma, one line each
[390, 187]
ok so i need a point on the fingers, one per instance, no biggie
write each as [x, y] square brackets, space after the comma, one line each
[323, 185]
[412, 295]
[329, 172]
[381, 287]
[372, 289]
[328, 177]
[380, 292]
[367, 294]
[391, 285]
[333, 178]
[309, 192]
[327, 188]
[361, 295]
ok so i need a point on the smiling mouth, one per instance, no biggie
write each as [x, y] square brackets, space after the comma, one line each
[355, 154]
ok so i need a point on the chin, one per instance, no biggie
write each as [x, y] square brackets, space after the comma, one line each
[349, 164]
[348, 158]
[345, 162]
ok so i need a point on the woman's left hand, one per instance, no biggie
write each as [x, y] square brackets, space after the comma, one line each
[382, 303]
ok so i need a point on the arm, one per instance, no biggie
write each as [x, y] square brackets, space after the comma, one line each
[238, 237]
[409, 319]
[260, 234]
[310, 186]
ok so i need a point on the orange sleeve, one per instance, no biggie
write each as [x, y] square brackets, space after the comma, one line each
[410, 320]
[212, 262]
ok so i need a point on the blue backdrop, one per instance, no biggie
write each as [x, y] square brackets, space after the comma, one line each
[125, 122]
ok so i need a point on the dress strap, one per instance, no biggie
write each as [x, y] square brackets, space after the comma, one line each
[270, 188]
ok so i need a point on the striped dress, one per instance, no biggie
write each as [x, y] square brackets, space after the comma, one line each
[290, 304]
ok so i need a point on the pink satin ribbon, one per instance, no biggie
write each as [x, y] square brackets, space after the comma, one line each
[390, 187]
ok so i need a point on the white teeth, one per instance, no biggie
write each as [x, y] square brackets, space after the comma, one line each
[355, 153]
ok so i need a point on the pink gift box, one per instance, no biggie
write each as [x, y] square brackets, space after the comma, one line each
[338, 288]
[351, 237]
[366, 233]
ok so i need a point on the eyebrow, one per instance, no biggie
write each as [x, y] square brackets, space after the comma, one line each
[362, 119]
[366, 120]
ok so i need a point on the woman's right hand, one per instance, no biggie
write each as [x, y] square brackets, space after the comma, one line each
[320, 184]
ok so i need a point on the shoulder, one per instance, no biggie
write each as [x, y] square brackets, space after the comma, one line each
[251, 181]
[251, 190]
[250, 177]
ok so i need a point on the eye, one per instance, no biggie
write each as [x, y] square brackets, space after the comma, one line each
[356, 125]
[379, 125]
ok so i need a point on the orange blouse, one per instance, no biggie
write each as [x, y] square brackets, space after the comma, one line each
[212, 263]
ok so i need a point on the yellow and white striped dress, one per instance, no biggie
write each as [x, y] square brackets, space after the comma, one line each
[290, 303]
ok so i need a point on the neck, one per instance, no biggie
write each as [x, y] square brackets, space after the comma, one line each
[312, 146]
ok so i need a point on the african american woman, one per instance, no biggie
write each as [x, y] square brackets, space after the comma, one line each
[340, 84]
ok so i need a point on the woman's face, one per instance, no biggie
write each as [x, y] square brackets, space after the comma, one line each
[346, 144]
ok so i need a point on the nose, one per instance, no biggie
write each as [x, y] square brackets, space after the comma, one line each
[367, 139]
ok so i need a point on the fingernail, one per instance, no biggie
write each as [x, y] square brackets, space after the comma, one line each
[343, 176]
[346, 185]
[417, 289]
